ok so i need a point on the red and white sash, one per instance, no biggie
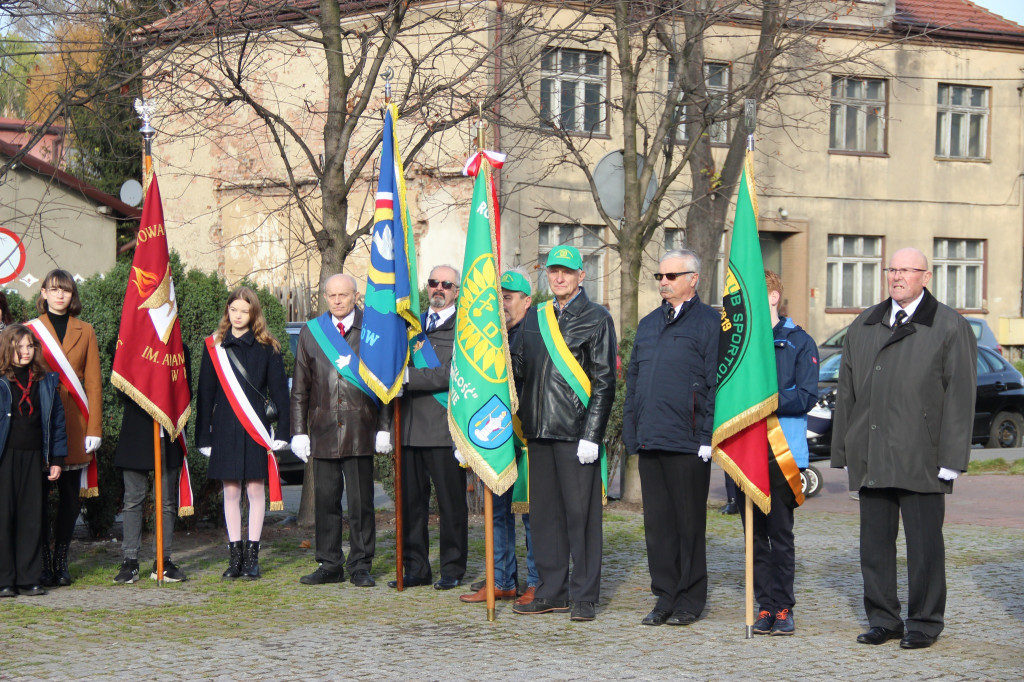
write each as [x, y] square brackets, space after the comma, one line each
[58, 362]
[247, 416]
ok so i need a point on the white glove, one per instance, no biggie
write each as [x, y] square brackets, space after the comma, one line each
[278, 444]
[92, 444]
[406, 379]
[459, 458]
[705, 453]
[588, 452]
[383, 444]
[948, 474]
[300, 446]
[205, 452]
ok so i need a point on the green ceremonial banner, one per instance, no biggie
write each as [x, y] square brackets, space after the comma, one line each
[482, 397]
[747, 380]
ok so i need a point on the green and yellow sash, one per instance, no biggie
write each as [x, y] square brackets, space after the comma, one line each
[571, 370]
[521, 488]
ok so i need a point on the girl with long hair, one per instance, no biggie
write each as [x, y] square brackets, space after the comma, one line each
[32, 439]
[241, 370]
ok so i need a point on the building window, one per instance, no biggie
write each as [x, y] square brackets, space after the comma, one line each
[961, 125]
[716, 80]
[958, 269]
[854, 267]
[586, 238]
[675, 238]
[858, 115]
[573, 90]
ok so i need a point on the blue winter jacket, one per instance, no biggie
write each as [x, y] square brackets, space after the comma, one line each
[671, 380]
[55, 437]
[796, 362]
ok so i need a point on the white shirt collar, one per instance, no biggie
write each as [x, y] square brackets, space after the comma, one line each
[347, 320]
[442, 315]
[910, 309]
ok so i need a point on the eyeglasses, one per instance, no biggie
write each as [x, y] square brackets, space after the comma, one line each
[446, 285]
[903, 272]
[671, 276]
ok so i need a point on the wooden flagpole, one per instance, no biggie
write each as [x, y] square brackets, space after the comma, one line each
[748, 535]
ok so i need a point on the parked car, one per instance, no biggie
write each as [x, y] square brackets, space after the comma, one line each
[291, 467]
[998, 420]
[982, 332]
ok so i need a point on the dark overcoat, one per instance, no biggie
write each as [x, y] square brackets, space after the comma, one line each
[340, 419]
[235, 456]
[424, 419]
[905, 402]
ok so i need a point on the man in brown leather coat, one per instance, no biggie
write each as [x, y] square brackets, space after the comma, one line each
[335, 419]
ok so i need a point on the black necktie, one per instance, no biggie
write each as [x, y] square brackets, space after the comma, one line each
[670, 314]
[901, 318]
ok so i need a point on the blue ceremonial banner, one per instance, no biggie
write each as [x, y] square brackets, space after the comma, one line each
[391, 316]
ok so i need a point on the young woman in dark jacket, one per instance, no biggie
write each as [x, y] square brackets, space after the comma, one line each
[235, 456]
[32, 438]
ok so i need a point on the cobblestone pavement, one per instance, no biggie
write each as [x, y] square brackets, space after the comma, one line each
[278, 629]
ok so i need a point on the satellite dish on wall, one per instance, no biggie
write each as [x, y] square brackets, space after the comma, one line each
[610, 178]
[131, 192]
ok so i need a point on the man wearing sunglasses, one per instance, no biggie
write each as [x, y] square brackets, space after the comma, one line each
[667, 419]
[902, 428]
[564, 364]
[427, 451]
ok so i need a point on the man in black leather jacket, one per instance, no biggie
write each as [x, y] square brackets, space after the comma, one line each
[564, 433]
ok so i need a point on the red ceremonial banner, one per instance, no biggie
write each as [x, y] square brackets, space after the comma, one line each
[149, 365]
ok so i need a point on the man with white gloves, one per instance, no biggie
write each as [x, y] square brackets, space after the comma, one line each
[340, 423]
[564, 363]
[668, 418]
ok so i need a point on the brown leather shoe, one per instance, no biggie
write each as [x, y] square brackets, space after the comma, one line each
[481, 595]
[527, 597]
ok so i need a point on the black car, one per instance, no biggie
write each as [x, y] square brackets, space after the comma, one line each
[998, 420]
[290, 466]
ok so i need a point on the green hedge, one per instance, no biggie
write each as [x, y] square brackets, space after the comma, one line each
[201, 300]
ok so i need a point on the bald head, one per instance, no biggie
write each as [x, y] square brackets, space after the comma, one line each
[907, 275]
[340, 294]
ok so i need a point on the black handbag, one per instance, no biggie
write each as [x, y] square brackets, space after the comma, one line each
[269, 406]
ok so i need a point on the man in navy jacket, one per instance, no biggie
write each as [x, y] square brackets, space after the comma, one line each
[668, 419]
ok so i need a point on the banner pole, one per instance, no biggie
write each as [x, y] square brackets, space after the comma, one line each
[158, 495]
[489, 549]
[399, 571]
[748, 535]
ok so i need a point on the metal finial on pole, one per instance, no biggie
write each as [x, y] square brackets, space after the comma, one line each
[144, 108]
[480, 125]
[750, 121]
[387, 74]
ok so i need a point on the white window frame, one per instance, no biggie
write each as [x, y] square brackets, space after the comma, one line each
[950, 261]
[861, 108]
[860, 260]
[717, 132]
[556, 82]
[592, 250]
[954, 122]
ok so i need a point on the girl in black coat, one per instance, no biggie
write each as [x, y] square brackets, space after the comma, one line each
[234, 455]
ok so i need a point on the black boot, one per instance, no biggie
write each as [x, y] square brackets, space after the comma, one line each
[61, 574]
[251, 562]
[46, 577]
[730, 507]
[235, 562]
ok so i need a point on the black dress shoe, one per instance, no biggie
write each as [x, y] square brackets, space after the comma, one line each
[32, 591]
[681, 618]
[362, 578]
[879, 635]
[730, 507]
[7, 592]
[583, 611]
[478, 585]
[410, 581]
[321, 576]
[655, 617]
[915, 639]
[446, 583]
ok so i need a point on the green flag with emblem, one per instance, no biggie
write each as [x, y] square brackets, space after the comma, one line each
[481, 394]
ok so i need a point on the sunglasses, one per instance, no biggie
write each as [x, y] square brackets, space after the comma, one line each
[446, 285]
[671, 276]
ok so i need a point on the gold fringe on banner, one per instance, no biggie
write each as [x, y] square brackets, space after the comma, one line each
[784, 458]
[186, 511]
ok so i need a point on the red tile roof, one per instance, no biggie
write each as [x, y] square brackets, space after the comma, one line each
[955, 18]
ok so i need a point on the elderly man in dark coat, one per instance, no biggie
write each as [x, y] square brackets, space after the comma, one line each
[902, 427]
[667, 419]
[340, 425]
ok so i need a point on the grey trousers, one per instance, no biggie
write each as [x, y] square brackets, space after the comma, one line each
[136, 484]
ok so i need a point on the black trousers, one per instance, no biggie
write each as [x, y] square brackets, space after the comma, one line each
[420, 468]
[21, 499]
[675, 493]
[69, 505]
[774, 553]
[331, 476]
[565, 520]
[923, 514]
